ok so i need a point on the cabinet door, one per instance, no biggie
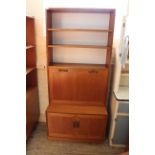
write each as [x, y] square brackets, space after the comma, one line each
[123, 107]
[61, 125]
[92, 85]
[81, 127]
[62, 84]
[121, 133]
[86, 85]
[91, 126]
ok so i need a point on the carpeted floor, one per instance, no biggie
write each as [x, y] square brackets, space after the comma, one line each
[38, 144]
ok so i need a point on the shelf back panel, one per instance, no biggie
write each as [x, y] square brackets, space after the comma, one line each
[79, 38]
[80, 55]
[80, 20]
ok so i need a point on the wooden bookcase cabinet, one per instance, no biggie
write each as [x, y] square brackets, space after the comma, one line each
[32, 102]
[77, 91]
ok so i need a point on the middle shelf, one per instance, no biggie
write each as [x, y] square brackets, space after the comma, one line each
[78, 30]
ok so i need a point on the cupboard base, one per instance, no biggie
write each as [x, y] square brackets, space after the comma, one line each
[76, 126]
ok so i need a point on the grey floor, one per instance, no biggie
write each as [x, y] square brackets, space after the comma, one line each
[38, 144]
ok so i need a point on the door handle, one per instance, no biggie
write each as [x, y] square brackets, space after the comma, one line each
[63, 70]
[76, 124]
[93, 71]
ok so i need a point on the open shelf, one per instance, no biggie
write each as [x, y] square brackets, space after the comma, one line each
[29, 69]
[77, 46]
[29, 47]
[78, 65]
[78, 30]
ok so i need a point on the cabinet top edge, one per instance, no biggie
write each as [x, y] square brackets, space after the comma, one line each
[81, 10]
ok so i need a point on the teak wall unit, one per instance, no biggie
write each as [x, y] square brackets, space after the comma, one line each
[32, 102]
[78, 90]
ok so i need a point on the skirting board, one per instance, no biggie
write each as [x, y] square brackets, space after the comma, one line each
[42, 117]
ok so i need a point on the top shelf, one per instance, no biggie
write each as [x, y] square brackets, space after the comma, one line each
[78, 30]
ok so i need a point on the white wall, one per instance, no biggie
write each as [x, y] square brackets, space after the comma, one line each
[36, 8]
